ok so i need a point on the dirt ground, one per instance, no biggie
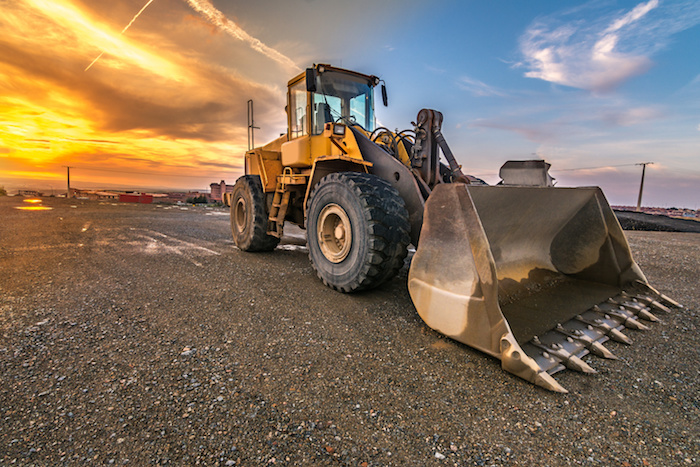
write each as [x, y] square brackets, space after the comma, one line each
[138, 334]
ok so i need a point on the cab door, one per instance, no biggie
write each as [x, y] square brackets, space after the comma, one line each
[297, 151]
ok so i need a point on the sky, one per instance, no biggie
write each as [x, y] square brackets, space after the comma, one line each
[152, 94]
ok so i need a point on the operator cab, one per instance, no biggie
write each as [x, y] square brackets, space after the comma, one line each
[331, 95]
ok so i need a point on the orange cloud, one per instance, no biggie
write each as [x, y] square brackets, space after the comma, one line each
[146, 106]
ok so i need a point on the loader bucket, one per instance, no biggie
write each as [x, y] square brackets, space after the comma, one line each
[535, 276]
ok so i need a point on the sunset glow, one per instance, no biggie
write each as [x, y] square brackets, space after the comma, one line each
[151, 94]
[120, 114]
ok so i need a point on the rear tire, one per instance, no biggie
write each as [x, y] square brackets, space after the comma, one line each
[249, 216]
[357, 231]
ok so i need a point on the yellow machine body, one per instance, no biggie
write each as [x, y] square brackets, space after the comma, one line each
[536, 276]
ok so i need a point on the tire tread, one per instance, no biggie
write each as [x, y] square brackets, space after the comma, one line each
[388, 229]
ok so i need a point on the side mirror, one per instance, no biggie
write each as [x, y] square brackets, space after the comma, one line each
[311, 79]
[385, 100]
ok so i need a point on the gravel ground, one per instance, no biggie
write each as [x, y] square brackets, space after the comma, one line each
[138, 334]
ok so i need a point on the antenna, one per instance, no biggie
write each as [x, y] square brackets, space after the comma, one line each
[641, 185]
[251, 126]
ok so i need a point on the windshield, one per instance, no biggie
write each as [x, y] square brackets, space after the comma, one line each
[342, 96]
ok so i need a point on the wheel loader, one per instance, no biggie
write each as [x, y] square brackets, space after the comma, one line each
[533, 275]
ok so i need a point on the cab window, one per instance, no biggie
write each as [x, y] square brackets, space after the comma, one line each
[297, 113]
[342, 98]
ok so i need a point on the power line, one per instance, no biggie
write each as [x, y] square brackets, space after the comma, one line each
[592, 168]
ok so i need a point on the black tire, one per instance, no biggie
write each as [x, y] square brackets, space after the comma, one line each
[249, 216]
[375, 216]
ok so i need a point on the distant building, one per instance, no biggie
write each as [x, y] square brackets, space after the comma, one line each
[94, 194]
[29, 193]
[136, 198]
[218, 190]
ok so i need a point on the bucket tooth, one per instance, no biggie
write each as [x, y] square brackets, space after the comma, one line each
[650, 302]
[547, 381]
[636, 308]
[644, 314]
[629, 322]
[599, 349]
[571, 361]
[668, 301]
[658, 306]
[608, 330]
[575, 363]
[595, 348]
[618, 336]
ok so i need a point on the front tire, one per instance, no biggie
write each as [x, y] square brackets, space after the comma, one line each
[357, 231]
[249, 216]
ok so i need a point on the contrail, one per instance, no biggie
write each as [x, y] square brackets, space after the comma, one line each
[217, 18]
[123, 31]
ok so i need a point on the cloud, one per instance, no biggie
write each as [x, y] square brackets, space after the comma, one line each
[123, 31]
[175, 107]
[478, 88]
[218, 19]
[532, 132]
[436, 70]
[636, 14]
[631, 116]
[209, 103]
[602, 52]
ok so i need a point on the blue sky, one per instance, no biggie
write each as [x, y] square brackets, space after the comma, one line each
[598, 85]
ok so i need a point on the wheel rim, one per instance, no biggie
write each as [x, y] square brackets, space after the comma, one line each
[239, 215]
[334, 233]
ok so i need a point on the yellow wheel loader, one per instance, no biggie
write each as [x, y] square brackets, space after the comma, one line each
[533, 275]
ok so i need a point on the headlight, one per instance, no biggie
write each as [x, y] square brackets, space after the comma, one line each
[339, 130]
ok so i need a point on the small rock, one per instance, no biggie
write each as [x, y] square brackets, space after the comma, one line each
[439, 456]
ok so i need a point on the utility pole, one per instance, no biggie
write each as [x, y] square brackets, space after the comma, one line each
[68, 181]
[641, 185]
[251, 126]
